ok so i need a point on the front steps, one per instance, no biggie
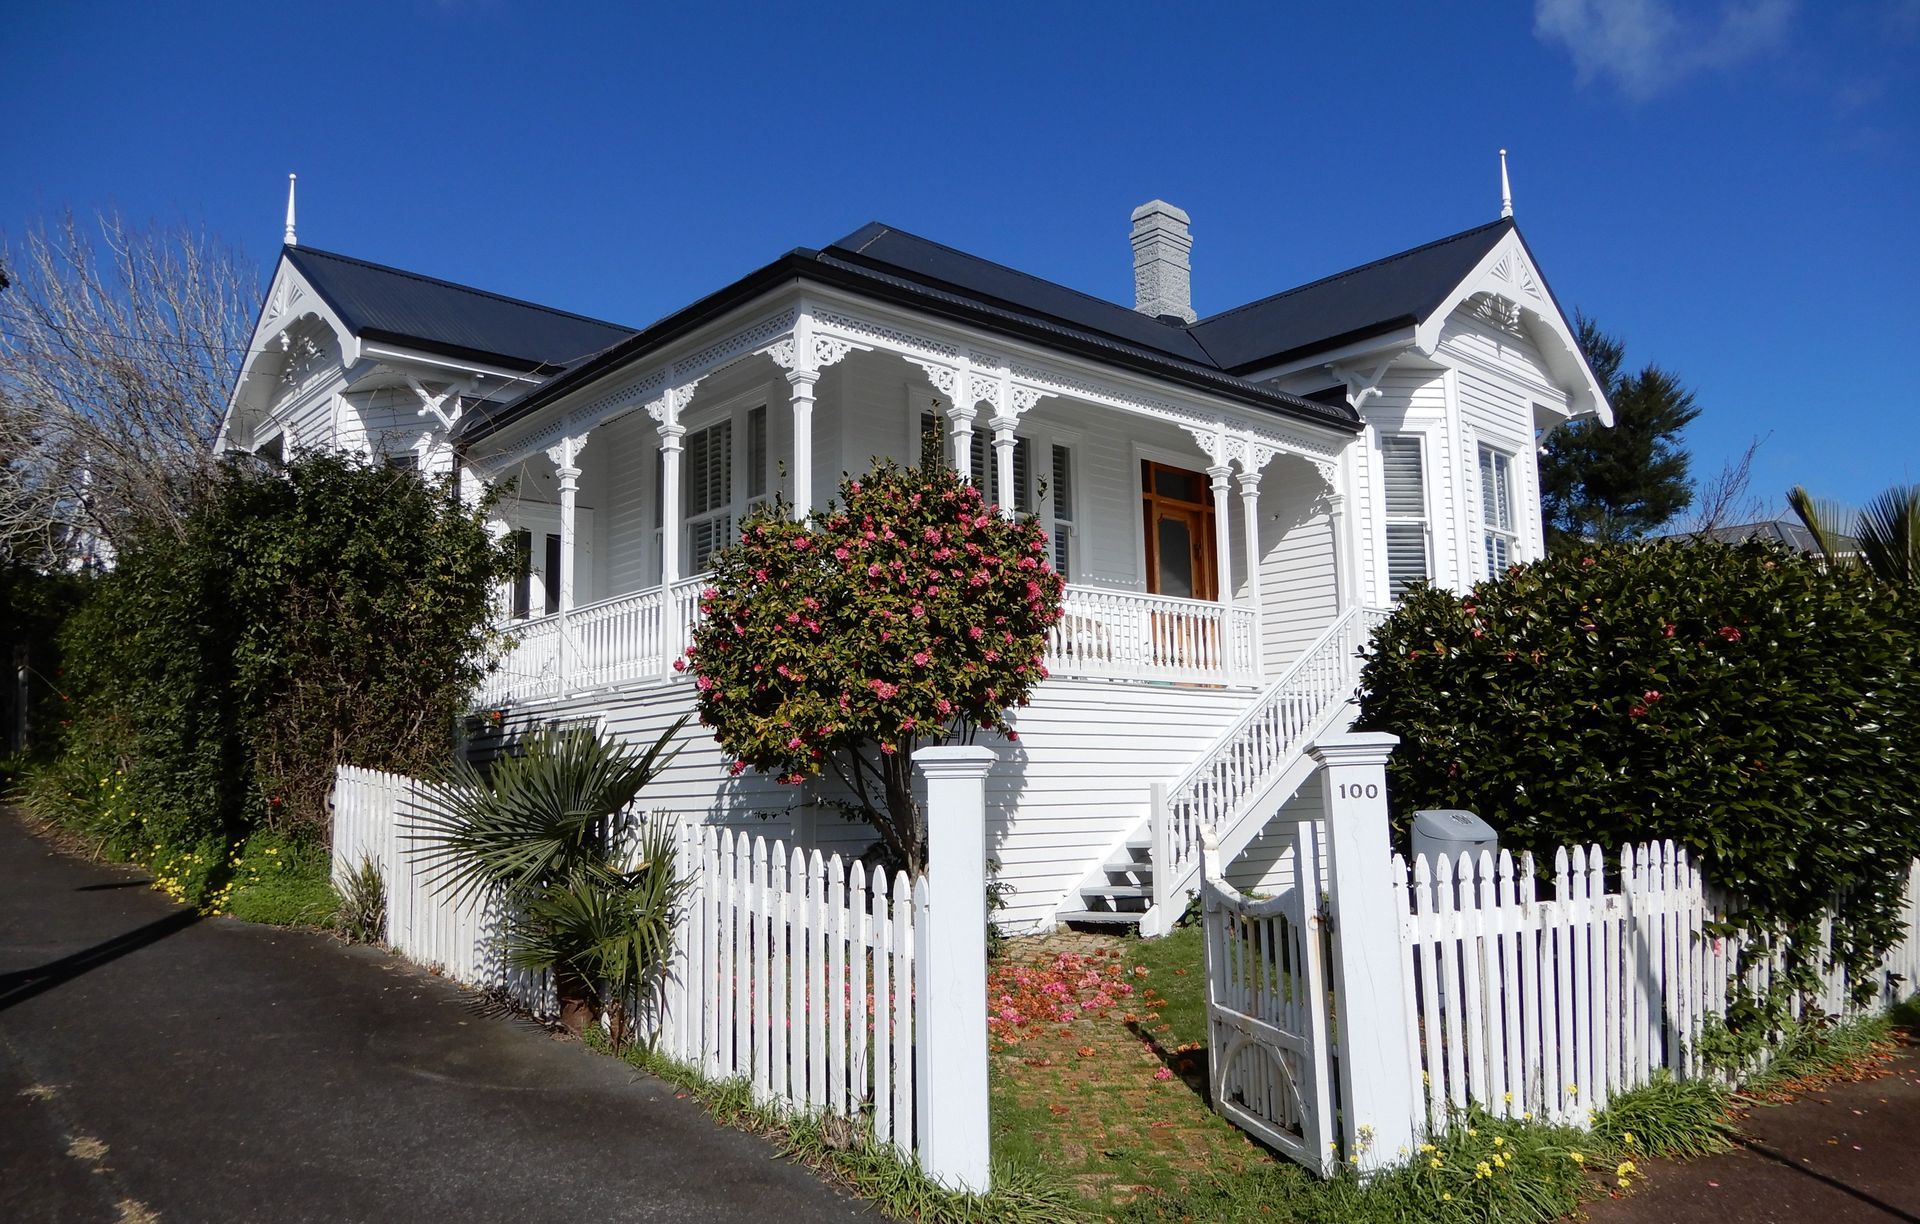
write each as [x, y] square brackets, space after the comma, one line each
[1122, 898]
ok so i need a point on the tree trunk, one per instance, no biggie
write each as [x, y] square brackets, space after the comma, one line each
[576, 1000]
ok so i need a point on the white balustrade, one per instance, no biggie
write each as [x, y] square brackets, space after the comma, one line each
[1254, 752]
[1114, 634]
[1131, 635]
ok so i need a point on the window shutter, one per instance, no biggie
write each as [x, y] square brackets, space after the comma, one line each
[709, 474]
[1022, 484]
[984, 474]
[1405, 478]
[705, 538]
[931, 434]
[757, 452]
[1405, 493]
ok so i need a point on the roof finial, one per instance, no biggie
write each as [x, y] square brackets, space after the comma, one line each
[291, 240]
[1506, 193]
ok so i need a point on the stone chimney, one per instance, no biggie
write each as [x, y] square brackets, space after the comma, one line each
[1162, 274]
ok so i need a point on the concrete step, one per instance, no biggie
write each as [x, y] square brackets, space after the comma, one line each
[1101, 917]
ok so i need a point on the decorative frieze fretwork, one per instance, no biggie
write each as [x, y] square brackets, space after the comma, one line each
[885, 335]
[739, 344]
[1025, 397]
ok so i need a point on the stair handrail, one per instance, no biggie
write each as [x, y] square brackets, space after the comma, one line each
[1327, 673]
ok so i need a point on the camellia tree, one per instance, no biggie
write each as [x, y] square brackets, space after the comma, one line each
[909, 611]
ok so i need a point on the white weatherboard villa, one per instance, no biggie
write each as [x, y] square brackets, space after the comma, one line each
[1231, 499]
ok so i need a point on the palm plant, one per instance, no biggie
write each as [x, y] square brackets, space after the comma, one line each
[540, 829]
[1884, 537]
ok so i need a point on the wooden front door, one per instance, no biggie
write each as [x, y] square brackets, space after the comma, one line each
[1179, 526]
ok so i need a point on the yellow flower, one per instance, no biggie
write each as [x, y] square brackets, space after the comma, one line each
[1624, 1183]
[1624, 1168]
[1446, 1198]
[1629, 1138]
[1427, 1147]
[1472, 1132]
[1499, 1141]
[1482, 1170]
[1509, 1098]
[1576, 1157]
[1434, 1163]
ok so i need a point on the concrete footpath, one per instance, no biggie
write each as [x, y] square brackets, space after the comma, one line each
[1843, 1154]
[159, 1066]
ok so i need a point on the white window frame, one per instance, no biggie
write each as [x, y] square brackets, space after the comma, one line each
[735, 411]
[1389, 520]
[1490, 531]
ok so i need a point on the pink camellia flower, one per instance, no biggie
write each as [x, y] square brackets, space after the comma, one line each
[841, 553]
[1163, 1073]
[975, 632]
[921, 658]
[795, 742]
[738, 767]
[874, 571]
[1014, 736]
[1730, 633]
[679, 665]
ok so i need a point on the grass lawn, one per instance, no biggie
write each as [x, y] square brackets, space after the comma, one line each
[1113, 1100]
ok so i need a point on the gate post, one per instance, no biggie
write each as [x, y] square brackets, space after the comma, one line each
[1379, 1117]
[950, 969]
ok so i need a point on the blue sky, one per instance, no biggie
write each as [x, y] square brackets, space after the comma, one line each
[1732, 187]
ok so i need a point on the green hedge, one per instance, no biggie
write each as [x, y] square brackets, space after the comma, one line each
[331, 611]
[1751, 705]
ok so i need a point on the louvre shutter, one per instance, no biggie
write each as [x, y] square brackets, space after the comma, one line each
[705, 538]
[983, 469]
[1022, 481]
[1403, 465]
[1496, 509]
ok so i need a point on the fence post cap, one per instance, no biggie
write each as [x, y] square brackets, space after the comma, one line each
[954, 761]
[1354, 748]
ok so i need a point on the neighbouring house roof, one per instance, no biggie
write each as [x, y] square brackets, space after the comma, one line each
[1783, 531]
[390, 305]
[1398, 291]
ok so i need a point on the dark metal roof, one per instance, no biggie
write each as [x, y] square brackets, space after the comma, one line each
[929, 263]
[387, 304]
[1781, 531]
[945, 282]
[1398, 291]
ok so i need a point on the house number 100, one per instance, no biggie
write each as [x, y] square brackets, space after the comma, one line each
[1359, 790]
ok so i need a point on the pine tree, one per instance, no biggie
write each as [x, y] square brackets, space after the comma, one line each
[1620, 482]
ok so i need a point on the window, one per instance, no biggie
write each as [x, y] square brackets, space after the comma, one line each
[1498, 534]
[550, 577]
[1404, 464]
[709, 493]
[522, 574]
[756, 455]
[1061, 497]
[409, 462]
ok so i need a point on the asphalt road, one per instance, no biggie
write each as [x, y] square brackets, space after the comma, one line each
[159, 1066]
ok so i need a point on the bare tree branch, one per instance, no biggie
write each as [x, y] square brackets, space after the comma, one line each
[1727, 499]
[117, 353]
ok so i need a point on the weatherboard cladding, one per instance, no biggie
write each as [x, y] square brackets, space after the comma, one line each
[383, 303]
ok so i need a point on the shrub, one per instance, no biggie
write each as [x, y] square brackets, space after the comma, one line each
[363, 903]
[334, 611]
[1741, 700]
[540, 830]
[907, 612]
[280, 881]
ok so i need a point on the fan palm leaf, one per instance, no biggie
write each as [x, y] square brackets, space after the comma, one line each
[536, 818]
[1884, 537]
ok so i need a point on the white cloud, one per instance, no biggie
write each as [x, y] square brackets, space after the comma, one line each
[1643, 46]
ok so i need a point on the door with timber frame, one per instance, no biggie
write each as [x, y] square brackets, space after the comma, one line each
[1182, 561]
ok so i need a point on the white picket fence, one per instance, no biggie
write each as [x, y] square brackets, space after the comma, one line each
[1552, 1006]
[797, 974]
[792, 972]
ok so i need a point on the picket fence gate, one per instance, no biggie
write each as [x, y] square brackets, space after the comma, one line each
[1551, 1007]
[790, 971]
